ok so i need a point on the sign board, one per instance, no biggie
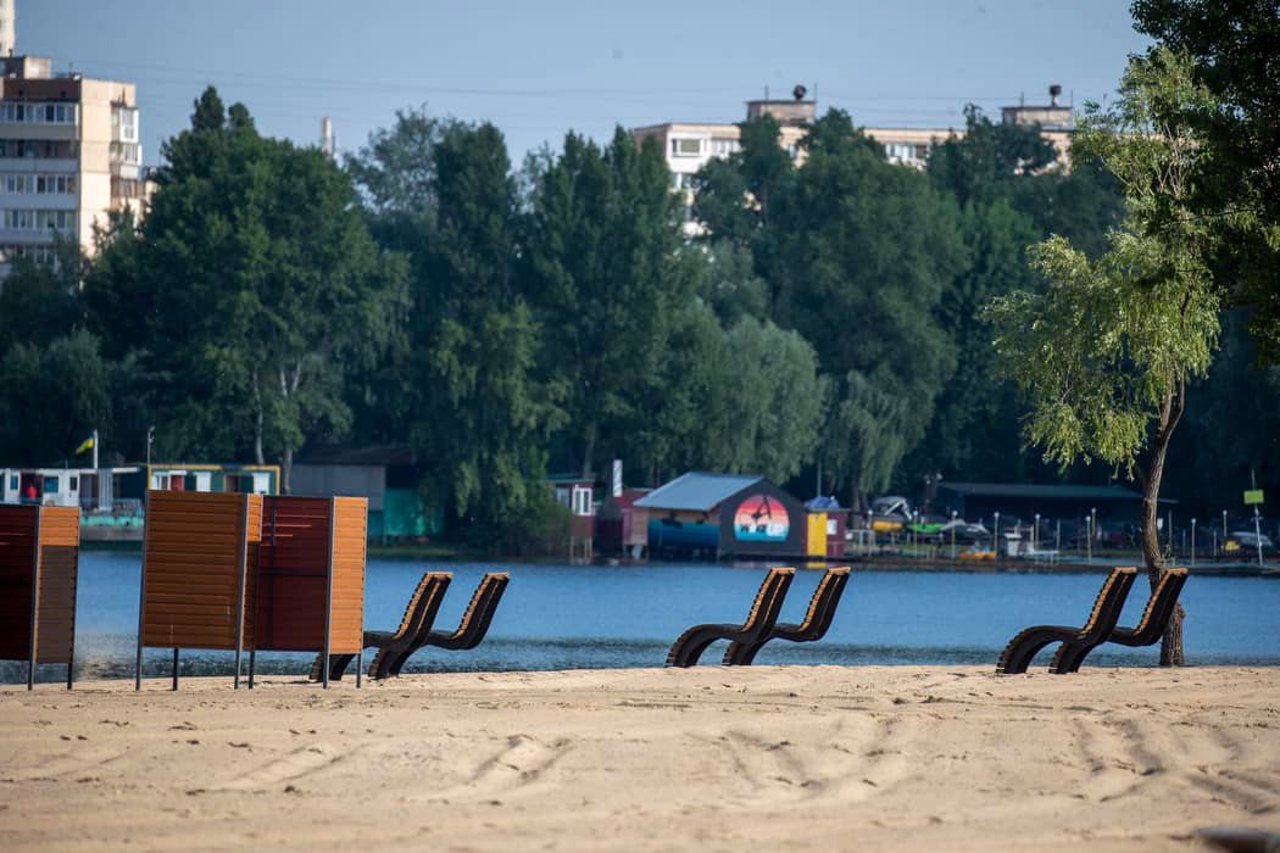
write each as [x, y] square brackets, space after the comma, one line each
[1253, 496]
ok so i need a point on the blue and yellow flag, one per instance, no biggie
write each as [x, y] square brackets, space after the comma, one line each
[87, 444]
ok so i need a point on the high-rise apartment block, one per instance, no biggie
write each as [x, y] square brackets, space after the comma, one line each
[70, 154]
[688, 146]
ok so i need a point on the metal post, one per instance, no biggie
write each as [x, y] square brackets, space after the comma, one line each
[1057, 536]
[244, 566]
[142, 587]
[1193, 542]
[1224, 528]
[175, 669]
[1035, 539]
[1089, 536]
[35, 601]
[953, 533]
[328, 595]
[1257, 532]
[995, 536]
[1169, 516]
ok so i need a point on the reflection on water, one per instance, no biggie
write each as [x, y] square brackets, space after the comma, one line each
[582, 617]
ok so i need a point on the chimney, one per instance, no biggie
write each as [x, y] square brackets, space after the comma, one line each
[326, 137]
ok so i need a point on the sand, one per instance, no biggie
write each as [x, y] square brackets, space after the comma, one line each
[824, 758]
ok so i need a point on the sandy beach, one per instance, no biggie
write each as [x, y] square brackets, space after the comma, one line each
[832, 758]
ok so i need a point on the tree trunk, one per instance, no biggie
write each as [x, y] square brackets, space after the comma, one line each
[592, 431]
[286, 472]
[1171, 647]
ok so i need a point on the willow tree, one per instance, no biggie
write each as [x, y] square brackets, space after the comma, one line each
[1106, 351]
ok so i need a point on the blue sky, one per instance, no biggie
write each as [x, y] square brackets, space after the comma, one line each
[539, 69]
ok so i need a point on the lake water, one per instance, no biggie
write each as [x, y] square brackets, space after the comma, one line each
[575, 617]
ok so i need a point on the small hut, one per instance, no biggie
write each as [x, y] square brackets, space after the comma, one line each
[724, 515]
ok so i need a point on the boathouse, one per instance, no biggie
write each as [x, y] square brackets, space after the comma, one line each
[724, 515]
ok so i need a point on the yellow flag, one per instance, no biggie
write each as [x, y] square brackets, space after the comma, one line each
[85, 445]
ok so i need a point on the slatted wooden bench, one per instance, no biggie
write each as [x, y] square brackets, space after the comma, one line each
[690, 645]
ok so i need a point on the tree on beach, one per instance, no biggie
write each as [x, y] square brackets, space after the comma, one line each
[1233, 45]
[1106, 352]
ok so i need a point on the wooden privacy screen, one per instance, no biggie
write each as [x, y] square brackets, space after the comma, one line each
[310, 579]
[236, 571]
[195, 558]
[39, 560]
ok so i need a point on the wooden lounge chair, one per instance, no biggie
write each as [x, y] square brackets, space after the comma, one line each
[817, 619]
[419, 614]
[1148, 631]
[470, 632]
[690, 645]
[1017, 656]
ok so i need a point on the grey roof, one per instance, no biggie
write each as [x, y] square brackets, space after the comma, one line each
[1048, 492]
[697, 491]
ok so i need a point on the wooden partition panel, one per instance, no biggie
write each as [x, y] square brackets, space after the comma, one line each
[293, 574]
[350, 541]
[311, 575]
[56, 595]
[197, 550]
[17, 570]
[39, 559]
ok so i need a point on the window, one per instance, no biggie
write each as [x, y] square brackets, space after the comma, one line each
[13, 482]
[581, 500]
[50, 485]
[75, 483]
[724, 147]
[686, 147]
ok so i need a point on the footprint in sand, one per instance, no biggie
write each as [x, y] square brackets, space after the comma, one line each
[78, 762]
[845, 767]
[296, 764]
[521, 763]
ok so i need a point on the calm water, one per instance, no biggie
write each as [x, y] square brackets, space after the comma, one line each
[571, 617]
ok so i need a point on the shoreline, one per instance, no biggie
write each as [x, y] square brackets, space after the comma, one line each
[799, 757]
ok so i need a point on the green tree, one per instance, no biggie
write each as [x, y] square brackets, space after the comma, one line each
[1106, 353]
[485, 416]
[51, 396]
[1233, 44]
[255, 288]
[868, 249]
[604, 270]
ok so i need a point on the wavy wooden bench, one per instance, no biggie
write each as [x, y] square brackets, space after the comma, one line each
[817, 620]
[690, 645]
[1148, 631]
[1017, 655]
[471, 630]
[419, 614]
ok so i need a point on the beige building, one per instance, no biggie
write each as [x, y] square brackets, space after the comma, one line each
[690, 146]
[70, 153]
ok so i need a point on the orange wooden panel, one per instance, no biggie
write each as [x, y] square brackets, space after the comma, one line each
[350, 542]
[56, 617]
[193, 566]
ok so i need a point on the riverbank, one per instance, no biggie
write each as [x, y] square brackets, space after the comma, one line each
[797, 757]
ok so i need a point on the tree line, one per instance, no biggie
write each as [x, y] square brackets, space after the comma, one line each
[509, 321]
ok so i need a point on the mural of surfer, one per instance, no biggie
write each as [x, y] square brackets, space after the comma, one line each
[761, 518]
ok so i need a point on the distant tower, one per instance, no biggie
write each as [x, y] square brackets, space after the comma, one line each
[328, 143]
[8, 27]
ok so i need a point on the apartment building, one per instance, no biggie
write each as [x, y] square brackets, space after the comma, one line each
[688, 146]
[70, 153]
